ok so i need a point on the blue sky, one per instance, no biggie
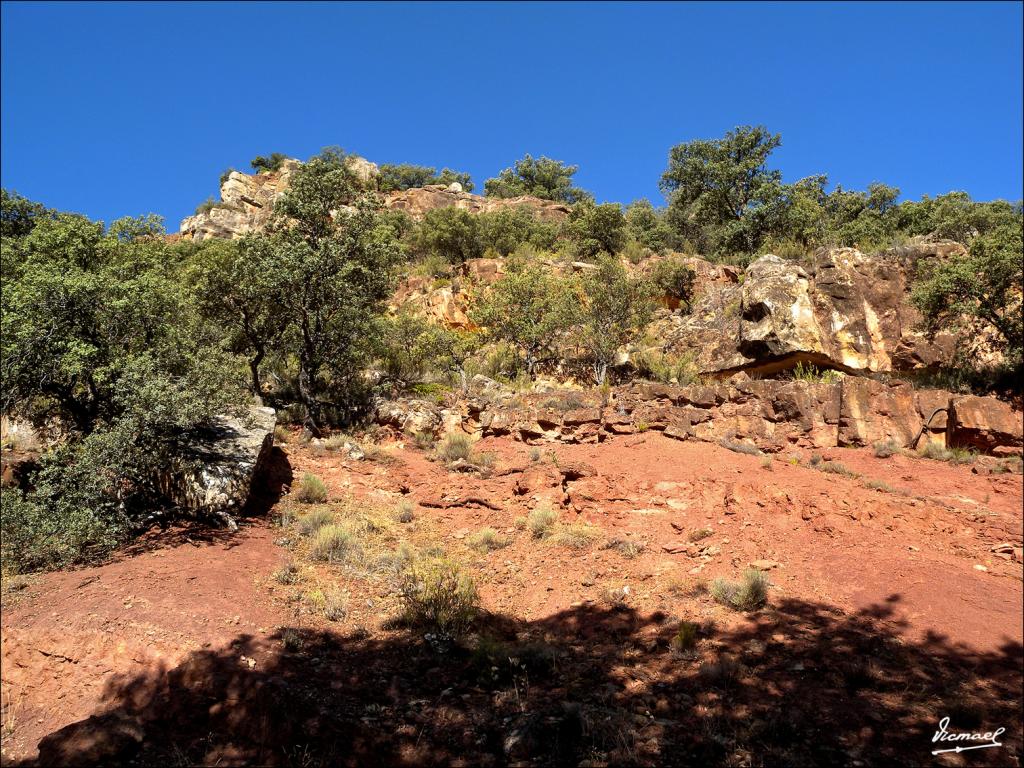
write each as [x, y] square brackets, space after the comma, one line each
[112, 109]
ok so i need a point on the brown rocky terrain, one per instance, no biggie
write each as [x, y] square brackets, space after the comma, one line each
[895, 600]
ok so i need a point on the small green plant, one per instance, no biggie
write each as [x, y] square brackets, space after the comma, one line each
[642, 426]
[540, 521]
[815, 459]
[314, 520]
[288, 574]
[749, 594]
[439, 596]
[766, 462]
[535, 454]
[281, 434]
[206, 206]
[700, 533]
[685, 638]
[487, 539]
[794, 461]
[332, 544]
[311, 490]
[886, 448]
[812, 373]
[575, 535]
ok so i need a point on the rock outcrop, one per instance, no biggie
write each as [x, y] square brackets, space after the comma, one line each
[844, 310]
[216, 470]
[417, 202]
[247, 201]
[768, 414]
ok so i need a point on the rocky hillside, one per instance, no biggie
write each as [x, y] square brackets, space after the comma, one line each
[840, 309]
[247, 201]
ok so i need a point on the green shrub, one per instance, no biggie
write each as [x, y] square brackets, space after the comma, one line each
[674, 278]
[812, 373]
[424, 440]
[952, 455]
[332, 544]
[487, 539]
[665, 367]
[262, 164]
[314, 520]
[748, 595]
[311, 490]
[207, 205]
[540, 521]
[439, 596]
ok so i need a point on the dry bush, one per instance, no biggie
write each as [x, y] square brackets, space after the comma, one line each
[886, 448]
[311, 490]
[540, 521]
[314, 520]
[487, 539]
[698, 534]
[576, 535]
[439, 596]
[749, 594]
[288, 574]
[332, 544]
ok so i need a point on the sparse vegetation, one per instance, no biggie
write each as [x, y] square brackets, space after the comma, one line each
[749, 594]
[952, 455]
[314, 520]
[685, 638]
[836, 468]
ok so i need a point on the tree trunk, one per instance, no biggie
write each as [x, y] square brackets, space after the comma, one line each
[254, 370]
[307, 393]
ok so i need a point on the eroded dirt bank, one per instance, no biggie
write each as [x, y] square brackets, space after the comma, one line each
[896, 600]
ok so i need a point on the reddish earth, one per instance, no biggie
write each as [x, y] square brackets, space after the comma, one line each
[889, 609]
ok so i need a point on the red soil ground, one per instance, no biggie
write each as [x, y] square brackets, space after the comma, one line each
[889, 609]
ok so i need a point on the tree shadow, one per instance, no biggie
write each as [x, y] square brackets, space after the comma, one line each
[800, 684]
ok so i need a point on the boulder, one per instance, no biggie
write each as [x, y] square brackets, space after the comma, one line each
[409, 416]
[985, 424]
[214, 472]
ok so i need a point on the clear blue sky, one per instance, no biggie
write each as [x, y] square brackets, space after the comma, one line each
[112, 109]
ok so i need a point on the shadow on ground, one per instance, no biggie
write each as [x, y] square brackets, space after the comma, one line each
[801, 684]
